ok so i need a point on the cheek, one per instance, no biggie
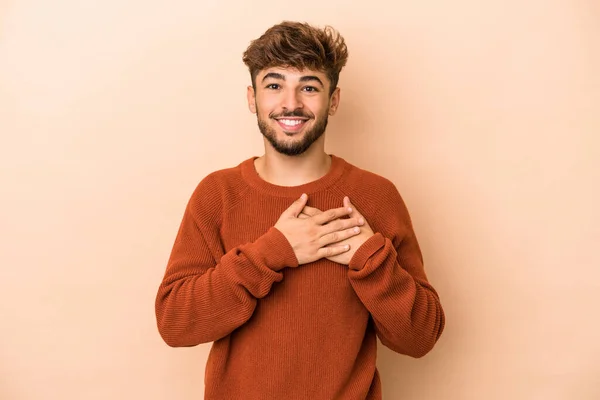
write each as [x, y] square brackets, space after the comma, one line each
[319, 106]
[266, 106]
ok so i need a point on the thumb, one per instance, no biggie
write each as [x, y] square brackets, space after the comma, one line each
[297, 206]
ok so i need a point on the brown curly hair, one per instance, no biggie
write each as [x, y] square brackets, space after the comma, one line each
[298, 45]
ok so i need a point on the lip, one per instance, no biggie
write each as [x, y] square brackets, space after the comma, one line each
[295, 128]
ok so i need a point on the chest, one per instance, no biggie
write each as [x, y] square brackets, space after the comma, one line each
[321, 288]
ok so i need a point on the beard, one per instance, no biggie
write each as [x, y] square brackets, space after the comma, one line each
[293, 148]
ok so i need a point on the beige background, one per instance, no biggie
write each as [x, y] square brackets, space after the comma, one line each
[485, 115]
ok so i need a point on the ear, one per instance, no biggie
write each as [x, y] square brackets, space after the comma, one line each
[334, 101]
[251, 99]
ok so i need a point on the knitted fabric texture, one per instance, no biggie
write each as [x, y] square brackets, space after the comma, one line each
[284, 331]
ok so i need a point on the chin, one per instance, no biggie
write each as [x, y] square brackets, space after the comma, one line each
[294, 135]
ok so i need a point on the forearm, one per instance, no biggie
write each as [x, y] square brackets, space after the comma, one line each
[199, 304]
[406, 309]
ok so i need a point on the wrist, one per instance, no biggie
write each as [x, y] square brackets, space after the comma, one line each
[365, 251]
[276, 250]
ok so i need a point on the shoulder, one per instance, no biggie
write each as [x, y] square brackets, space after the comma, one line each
[370, 181]
[371, 185]
[377, 195]
[216, 192]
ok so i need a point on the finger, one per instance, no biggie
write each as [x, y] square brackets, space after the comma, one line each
[332, 251]
[297, 206]
[303, 216]
[330, 215]
[338, 225]
[338, 236]
[355, 213]
[311, 211]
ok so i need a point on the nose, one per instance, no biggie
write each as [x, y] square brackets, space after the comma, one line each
[291, 100]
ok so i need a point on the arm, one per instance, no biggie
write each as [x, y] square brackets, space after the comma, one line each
[389, 278]
[206, 294]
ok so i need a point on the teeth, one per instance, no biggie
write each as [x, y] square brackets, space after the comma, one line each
[291, 122]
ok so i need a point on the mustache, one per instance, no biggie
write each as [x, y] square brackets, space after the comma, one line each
[296, 113]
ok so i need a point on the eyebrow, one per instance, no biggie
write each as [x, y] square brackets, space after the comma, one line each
[306, 78]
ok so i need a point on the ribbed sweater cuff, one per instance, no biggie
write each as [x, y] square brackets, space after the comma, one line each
[276, 250]
[365, 251]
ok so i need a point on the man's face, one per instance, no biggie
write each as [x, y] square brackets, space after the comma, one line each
[292, 107]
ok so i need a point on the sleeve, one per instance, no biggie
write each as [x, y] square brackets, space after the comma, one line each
[389, 278]
[206, 294]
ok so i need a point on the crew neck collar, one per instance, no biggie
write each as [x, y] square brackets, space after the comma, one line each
[250, 175]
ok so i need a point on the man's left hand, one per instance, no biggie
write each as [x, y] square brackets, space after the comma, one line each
[355, 241]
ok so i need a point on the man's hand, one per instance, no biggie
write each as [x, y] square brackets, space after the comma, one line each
[354, 241]
[318, 236]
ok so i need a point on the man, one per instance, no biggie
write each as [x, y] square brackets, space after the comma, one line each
[293, 263]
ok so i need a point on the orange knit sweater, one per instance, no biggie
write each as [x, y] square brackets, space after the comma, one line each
[283, 331]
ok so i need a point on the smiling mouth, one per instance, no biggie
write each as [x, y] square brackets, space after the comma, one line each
[291, 124]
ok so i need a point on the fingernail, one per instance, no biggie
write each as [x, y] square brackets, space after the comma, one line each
[361, 221]
[303, 196]
[356, 229]
[349, 209]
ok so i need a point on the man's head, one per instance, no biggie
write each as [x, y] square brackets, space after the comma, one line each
[294, 69]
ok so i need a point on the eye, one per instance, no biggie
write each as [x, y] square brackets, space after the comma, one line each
[273, 86]
[310, 89]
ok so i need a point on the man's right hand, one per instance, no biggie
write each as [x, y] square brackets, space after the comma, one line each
[309, 236]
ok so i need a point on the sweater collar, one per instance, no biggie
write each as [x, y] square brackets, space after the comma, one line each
[249, 174]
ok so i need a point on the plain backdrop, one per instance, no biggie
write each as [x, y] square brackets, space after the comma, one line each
[484, 114]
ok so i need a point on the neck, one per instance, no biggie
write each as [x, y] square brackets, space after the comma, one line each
[282, 170]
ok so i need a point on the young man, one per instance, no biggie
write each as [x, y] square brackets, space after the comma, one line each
[294, 263]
